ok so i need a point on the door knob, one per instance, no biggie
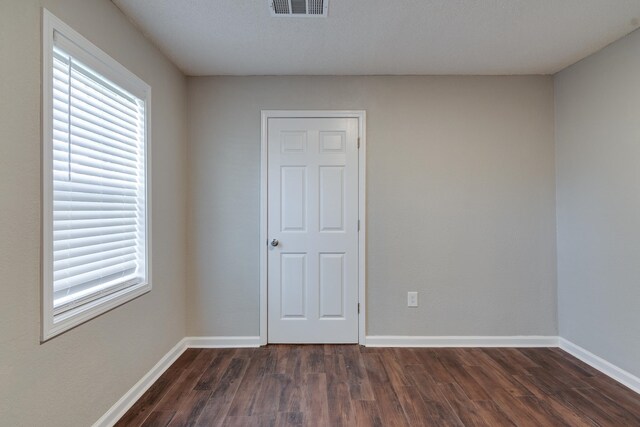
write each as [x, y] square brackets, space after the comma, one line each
[275, 242]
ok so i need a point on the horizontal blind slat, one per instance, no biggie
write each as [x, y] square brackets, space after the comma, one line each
[59, 235]
[78, 224]
[87, 127]
[77, 187]
[92, 179]
[82, 102]
[73, 196]
[102, 120]
[60, 99]
[94, 240]
[96, 143]
[102, 155]
[93, 249]
[102, 173]
[68, 268]
[93, 275]
[85, 84]
[104, 84]
[95, 98]
[82, 159]
[71, 205]
[60, 115]
[80, 215]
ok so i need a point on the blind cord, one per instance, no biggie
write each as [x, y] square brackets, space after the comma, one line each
[69, 123]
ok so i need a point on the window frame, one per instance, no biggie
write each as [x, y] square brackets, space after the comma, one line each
[112, 70]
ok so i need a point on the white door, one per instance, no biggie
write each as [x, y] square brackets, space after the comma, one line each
[312, 228]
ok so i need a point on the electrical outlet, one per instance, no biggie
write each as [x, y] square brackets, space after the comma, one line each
[412, 299]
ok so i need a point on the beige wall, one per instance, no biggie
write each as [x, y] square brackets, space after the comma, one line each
[460, 200]
[598, 193]
[73, 379]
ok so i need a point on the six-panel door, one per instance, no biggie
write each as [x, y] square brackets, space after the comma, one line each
[312, 230]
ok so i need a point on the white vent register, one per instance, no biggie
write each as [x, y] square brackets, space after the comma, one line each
[299, 8]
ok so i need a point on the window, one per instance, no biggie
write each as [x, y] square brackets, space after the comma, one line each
[95, 187]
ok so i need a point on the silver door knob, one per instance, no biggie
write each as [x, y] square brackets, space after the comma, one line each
[275, 242]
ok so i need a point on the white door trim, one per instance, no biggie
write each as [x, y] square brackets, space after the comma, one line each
[361, 115]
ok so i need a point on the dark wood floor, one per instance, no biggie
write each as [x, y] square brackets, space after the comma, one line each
[351, 386]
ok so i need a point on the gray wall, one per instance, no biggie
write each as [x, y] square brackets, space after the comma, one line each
[73, 379]
[598, 198]
[460, 200]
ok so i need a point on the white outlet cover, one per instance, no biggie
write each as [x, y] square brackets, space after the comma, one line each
[412, 299]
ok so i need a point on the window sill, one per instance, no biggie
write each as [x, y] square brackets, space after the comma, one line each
[56, 325]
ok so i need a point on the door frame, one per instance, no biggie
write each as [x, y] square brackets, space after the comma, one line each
[361, 115]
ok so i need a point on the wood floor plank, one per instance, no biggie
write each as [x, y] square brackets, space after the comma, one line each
[504, 361]
[290, 395]
[293, 368]
[190, 409]
[289, 419]
[433, 366]
[461, 405]
[140, 410]
[214, 412]
[407, 356]
[625, 417]
[566, 411]
[583, 405]
[359, 384]
[336, 367]
[349, 385]
[389, 406]
[217, 406]
[560, 354]
[212, 373]
[268, 395]
[437, 406]
[185, 383]
[158, 419]
[367, 414]
[283, 355]
[314, 401]
[230, 379]
[513, 355]
[253, 421]
[415, 409]
[493, 379]
[615, 391]
[312, 359]
[341, 412]
[465, 380]
[522, 410]
[553, 368]
[492, 414]
[394, 369]
[245, 396]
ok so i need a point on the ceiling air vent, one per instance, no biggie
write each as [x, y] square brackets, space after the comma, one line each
[301, 8]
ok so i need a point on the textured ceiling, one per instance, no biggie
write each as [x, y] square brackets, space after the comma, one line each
[361, 37]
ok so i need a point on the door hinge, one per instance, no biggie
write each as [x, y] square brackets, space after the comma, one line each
[358, 225]
[358, 142]
[358, 308]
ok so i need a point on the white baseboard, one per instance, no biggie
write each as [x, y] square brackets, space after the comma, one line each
[130, 397]
[222, 342]
[460, 341]
[601, 365]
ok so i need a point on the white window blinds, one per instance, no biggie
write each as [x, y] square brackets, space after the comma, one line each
[99, 227]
